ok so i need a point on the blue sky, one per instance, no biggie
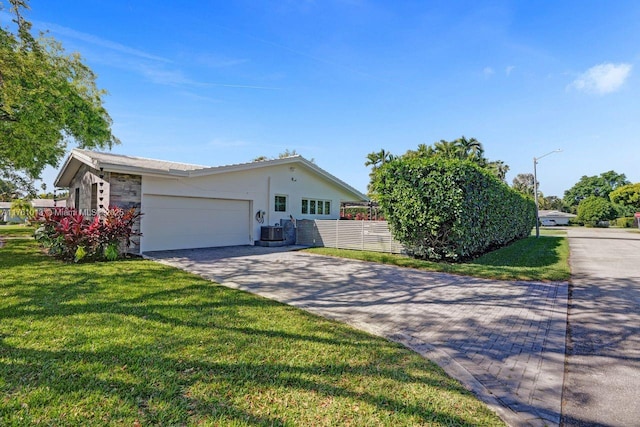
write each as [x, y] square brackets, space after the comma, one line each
[220, 82]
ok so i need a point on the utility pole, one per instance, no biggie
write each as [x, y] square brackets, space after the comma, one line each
[535, 188]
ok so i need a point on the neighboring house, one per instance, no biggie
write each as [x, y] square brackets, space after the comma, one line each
[190, 206]
[554, 217]
[5, 216]
[38, 205]
[42, 204]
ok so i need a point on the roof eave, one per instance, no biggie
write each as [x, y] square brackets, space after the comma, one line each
[137, 170]
[64, 177]
[76, 159]
[276, 162]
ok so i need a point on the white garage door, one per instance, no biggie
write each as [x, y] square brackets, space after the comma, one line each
[171, 222]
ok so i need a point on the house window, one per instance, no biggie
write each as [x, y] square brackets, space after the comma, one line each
[76, 199]
[280, 204]
[316, 207]
[94, 198]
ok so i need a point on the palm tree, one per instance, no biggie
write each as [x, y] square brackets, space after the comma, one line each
[470, 148]
[425, 150]
[378, 159]
[499, 169]
[447, 149]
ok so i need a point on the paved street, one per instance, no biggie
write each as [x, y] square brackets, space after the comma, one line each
[602, 383]
[505, 341]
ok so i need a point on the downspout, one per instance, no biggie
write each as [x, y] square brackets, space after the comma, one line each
[268, 200]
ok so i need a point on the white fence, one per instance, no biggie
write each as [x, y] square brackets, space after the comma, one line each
[360, 235]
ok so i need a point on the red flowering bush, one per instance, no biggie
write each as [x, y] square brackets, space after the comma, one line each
[69, 235]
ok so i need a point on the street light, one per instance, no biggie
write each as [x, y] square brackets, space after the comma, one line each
[535, 188]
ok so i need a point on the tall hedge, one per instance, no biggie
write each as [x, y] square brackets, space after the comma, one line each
[449, 209]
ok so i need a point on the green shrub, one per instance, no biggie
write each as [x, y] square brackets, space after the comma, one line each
[575, 221]
[70, 236]
[596, 211]
[22, 209]
[625, 222]
[449, 209]
[111, 251]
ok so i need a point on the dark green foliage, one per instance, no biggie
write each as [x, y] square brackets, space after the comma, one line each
[624, 222]
[598, 186]
[627, 195]
[48, 98]
[450, 209]
[594, 210]
[551, 203]
[460, 149]
[524, 183]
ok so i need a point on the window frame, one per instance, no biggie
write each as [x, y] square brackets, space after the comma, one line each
[94, 197]
[316, 207]
[280, 205]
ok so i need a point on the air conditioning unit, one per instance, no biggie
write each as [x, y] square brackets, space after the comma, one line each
[271, 233]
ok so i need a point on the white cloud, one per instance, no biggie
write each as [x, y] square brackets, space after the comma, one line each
[488, 72]
[98, 41]
[164, 77]
[602, 79]
[509, 69]
[157, 69]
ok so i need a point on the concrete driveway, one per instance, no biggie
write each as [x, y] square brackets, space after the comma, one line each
[505, 341]
[602, 382]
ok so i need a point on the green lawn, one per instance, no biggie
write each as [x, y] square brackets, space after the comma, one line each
[16, 231]
[545, 259]
[138, 343]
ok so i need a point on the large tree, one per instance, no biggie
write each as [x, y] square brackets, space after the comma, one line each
[627, 196]
[550, 202]
[499, 169]
[597, 186]
[9, 191]
[524, 183]
[48, 98]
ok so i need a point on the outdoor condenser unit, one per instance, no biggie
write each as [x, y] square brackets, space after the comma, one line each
[271, 233]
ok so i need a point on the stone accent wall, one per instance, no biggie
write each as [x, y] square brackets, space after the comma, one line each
[119, 189]
[126, 193]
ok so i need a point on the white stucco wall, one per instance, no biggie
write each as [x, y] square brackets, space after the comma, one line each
[259, 187]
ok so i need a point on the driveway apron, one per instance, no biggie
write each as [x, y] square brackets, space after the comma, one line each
[505, 341]
[602, 383]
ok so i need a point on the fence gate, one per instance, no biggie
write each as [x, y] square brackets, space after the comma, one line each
[359, 235]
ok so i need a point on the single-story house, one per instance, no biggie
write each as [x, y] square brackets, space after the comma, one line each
[5, 216]
[191, 206]
[38, 205]
[548, 217]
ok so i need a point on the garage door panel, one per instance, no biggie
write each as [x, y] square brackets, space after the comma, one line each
[171, 222]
